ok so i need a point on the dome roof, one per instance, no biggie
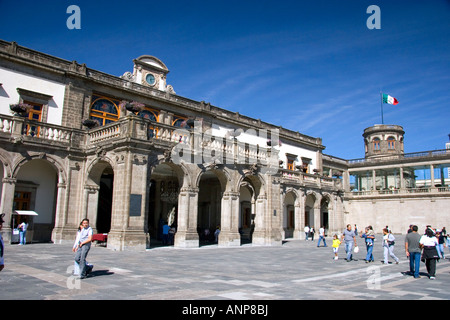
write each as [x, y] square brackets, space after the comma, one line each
[152, 62]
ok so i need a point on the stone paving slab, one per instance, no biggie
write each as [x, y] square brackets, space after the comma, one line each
[296, 270]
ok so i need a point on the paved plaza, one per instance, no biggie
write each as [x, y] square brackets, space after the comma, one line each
[296, 270]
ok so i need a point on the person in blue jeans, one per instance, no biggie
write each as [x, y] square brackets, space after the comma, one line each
[23, 232]
[413, 251]
[322, 237]
[369, 237]
[83, 247]
[349, 238]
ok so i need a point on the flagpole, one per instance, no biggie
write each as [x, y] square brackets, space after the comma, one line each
[381, 99]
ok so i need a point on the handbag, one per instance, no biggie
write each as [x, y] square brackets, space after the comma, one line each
[356, 250]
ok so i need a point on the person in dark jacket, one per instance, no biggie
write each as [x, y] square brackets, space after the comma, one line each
[2, 246]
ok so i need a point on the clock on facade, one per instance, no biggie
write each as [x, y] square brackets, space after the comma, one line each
[150, 79]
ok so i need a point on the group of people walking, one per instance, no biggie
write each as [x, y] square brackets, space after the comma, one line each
[428, 248]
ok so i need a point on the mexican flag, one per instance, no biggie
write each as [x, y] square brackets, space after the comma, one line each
[389, 100]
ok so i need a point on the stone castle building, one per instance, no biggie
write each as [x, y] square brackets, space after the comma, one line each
[128, 152]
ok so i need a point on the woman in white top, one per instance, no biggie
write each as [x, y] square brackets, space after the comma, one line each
[388, 246]
[23, 232]
[429, 242]
[76, 266]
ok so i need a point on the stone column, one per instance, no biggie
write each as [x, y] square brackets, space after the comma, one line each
[60, 217]
[317, 212]
[374, 181]
[187, 235]
[300, 215]
[261, 216]
[402, 183]
[91, 193]
[129, 204]
[17, 129]
[6, 205]
[229, 224]
[432, 175]
[298, 221]
[346, 180]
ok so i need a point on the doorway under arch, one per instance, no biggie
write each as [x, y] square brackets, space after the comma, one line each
[35, 190]
[289, 215]
[100, 188]
[105, 198]
[163, 199]
[209, 207]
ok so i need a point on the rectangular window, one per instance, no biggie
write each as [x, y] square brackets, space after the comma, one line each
[22, 200]
[34, 114]
[290, 164]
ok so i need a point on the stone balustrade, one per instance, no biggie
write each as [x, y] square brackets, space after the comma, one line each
[20, 128]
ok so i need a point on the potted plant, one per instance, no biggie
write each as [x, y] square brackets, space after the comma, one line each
[20, 108]
[133, 106]
[90, 123]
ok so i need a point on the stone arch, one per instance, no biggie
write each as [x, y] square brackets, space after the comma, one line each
[95, 167]
[166, 180]
[311, 199]
[7, 163]
[50, 159]
[257, 181]
[211, 184]
[38, 182]
[290, 205]
[98, 195]
[296, 194]
[326, 212]
[222, 175]
[253, 206]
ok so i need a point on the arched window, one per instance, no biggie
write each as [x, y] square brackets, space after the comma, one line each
[149, 114]
[152, 115]
[376, 144]
[179, 121]
[391, 143]
[104, 110]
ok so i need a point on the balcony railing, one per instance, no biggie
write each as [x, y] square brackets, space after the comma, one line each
[225, 149]
[313, 180]
[412, 155]
[20, 128]
[405, 191]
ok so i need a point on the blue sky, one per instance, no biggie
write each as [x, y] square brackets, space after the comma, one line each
[309, 66]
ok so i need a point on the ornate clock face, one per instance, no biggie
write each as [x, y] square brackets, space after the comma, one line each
[150, 79]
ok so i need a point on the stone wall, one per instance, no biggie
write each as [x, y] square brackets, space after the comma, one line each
[398, 212]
